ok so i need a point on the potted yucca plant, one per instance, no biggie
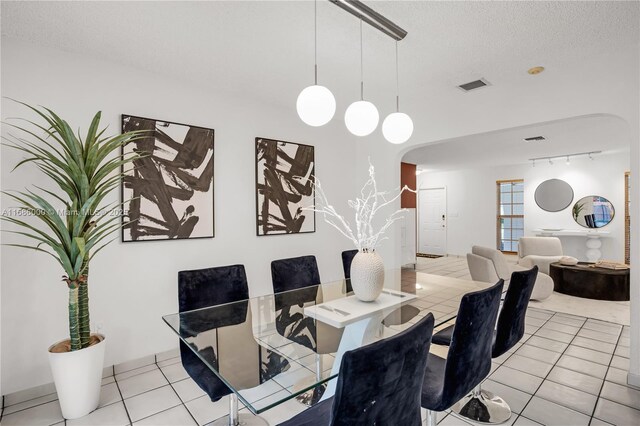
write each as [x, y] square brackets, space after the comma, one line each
[71, 225]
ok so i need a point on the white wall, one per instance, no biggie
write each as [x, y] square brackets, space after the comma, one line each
[471, 201]
[132, 285]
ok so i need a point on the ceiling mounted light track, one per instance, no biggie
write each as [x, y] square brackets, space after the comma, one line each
[550, 159]
[371, 17]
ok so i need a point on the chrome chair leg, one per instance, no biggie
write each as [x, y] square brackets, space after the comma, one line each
[482, 406]
[432, 418]
[238, 419]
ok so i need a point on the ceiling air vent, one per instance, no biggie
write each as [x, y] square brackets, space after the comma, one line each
[535, 139]
[472, 85]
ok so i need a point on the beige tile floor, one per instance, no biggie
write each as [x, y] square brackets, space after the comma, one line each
[567, 370]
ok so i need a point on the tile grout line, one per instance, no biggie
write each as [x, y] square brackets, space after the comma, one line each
[502, 364]
[174, 391]
[553, 366]
[126, 410]
[593, 413]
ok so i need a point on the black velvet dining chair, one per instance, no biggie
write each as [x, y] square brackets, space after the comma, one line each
[347, 258]
[301, 274]
[468, 361]
[378, 384]
[209, 287]
[481, 405]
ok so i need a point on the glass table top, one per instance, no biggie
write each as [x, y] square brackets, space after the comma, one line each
[267, 351]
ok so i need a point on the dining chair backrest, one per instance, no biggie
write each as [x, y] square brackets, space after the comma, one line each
[511, 321]
[469, 357]
[200, 288]
[203, 288]
[294, 273]
[347, 258]
[381, 383]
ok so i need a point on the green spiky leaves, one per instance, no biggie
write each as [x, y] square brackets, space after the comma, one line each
[71, 223]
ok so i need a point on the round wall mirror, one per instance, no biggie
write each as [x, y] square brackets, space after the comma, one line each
[593, 211]
[553, 195]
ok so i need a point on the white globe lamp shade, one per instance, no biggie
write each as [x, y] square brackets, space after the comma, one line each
[316, 105]
[361, 118]
[397, 128]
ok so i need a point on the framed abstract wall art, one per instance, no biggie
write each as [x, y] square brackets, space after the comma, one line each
[168, 193]
[285, 174]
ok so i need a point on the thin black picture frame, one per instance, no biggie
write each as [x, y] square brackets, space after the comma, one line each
[257, 205]
[213, 181]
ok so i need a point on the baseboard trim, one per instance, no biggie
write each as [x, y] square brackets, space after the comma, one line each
[633, 379]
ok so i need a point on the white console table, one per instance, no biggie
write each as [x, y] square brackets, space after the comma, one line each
[593, 242]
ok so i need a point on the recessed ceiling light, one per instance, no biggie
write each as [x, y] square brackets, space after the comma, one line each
[535, 70]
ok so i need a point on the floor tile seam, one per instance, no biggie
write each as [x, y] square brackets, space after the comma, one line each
[529, 357]
[616, 402]
[48, 402]
[27, 400]
[175, 392]
[604, 332]
[570, 387]
[28, 408]
[572, 409]
[122, 396]
[155, 356]
[562, 332]
[532, 395]
[599, 340]
[597, 350]
[608, 322]
[138, 374]
[510, 387]
[605, 376]
[545, 378]
[595, 362]
[165, 410]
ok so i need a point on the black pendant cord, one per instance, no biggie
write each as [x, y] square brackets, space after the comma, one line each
[361, 66]
[315, 40]
[397, 82]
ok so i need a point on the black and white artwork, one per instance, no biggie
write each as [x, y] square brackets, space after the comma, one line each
[284, 185]
[168, 193]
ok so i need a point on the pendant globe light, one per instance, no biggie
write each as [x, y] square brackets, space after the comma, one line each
[397, 128]
[361, 117]
[316, 104]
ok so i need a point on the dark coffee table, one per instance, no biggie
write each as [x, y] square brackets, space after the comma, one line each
[582, 280]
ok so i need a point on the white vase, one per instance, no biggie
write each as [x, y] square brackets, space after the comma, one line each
[367, 275]
[78, 378]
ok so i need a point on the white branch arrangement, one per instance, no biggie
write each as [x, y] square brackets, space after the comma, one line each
[366, 238]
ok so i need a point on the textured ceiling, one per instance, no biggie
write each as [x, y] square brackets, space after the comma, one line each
[263, 50]
[591, 133]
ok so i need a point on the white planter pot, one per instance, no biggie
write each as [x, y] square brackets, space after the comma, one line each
[367, 275]
[78, 378]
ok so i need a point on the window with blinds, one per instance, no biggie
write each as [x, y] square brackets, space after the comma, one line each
[510, 217]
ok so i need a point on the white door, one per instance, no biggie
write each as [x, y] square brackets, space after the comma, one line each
[432, 225]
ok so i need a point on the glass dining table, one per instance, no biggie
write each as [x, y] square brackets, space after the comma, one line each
[270, 349]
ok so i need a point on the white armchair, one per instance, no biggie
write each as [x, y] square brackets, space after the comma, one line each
[541, 251]
[489, 265]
